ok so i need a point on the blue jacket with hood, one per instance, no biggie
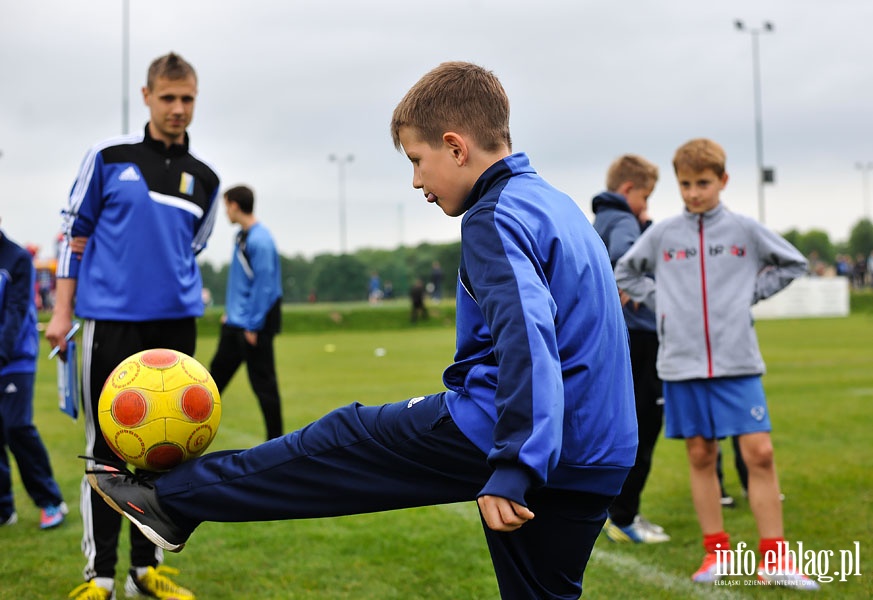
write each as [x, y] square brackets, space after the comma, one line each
[541, 380]
[619, 228]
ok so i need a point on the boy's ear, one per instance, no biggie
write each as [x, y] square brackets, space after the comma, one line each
[724, 179]
[457, 145]
[624, 188]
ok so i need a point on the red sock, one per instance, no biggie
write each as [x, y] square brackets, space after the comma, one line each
[770, 545]
[716, 541]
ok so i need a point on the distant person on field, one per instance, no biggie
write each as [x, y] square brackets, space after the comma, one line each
[374, 288]
[416, 295]
[870, 268]
[859, 271]
[253, 309]
[620, 215]
[541, 364]
[710, 266]
[19, 347]
[436, 280]
[146, 206]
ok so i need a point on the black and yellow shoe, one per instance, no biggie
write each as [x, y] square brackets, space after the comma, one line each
[91, 591]
[155, 583]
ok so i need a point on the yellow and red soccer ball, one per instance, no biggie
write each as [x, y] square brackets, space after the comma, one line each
[159, 408]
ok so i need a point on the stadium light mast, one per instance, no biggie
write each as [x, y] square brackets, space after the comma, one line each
[341, 162]
[764, 175]
[865, 168]
[125, 67]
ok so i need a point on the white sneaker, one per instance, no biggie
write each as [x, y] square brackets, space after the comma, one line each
[641, 531]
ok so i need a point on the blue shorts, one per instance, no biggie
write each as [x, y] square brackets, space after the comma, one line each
[715, 408]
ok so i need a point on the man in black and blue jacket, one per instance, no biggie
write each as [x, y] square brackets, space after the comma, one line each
[145, 206]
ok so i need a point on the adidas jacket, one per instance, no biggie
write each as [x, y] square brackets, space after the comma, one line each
[147, 211]
[541, 380]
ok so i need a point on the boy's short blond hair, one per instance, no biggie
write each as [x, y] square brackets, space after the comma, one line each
[633, 168]
[455, 96]
[699, 155]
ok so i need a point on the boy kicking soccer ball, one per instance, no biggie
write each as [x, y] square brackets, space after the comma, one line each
[542, 362]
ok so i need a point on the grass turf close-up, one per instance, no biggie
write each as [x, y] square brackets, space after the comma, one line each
[820, 391]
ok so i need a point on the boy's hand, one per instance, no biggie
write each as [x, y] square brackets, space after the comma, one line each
[625, 299]
[502, 514]
[77, 244]
[57, 329]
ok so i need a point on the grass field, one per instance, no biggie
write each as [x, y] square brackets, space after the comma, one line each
[820, 390]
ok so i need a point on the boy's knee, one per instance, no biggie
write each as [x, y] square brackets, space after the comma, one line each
[702, 454]
[758, 453]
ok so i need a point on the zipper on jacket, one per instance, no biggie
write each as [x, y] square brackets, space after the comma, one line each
[705, 301]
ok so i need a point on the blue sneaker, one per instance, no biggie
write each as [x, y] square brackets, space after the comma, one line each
[10, 520]
[52, 516]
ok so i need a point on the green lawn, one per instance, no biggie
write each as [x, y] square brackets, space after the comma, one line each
[820, 389]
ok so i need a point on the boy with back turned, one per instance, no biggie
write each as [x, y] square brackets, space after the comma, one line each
[710, 265]
[541, 363]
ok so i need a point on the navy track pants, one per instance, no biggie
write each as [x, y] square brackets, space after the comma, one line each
[360, 459]
[19, 434]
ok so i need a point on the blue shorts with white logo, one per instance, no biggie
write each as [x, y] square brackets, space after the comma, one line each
[715, 408]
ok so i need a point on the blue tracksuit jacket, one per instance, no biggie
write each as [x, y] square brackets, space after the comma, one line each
[146, 210]
[254, 282]
[542, 379]
[19, 338]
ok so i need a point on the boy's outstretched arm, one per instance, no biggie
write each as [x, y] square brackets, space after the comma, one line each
[502, 514]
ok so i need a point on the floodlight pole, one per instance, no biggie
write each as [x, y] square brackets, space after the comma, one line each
[125, 66]
[341, 166]
[767, 27]
[865, 169]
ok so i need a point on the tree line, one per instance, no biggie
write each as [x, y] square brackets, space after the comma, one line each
[816, 242]
[339, 278]
[345, 277]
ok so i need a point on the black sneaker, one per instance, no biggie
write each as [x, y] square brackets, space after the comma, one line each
[134, 496]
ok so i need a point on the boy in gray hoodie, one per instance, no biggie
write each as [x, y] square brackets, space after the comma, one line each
[710, 266]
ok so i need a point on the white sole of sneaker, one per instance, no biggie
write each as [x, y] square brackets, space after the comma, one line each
[147, 531]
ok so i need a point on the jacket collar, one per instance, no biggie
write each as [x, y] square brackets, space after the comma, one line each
[610, 200]
[514, 164]
[708, 215]
[161, 148]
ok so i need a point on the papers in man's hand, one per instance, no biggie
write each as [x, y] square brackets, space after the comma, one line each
[68, 375]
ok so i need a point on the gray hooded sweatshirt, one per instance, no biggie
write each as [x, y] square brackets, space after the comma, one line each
[710, 269]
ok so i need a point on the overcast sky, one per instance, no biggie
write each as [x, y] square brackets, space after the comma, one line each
[284, 84]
